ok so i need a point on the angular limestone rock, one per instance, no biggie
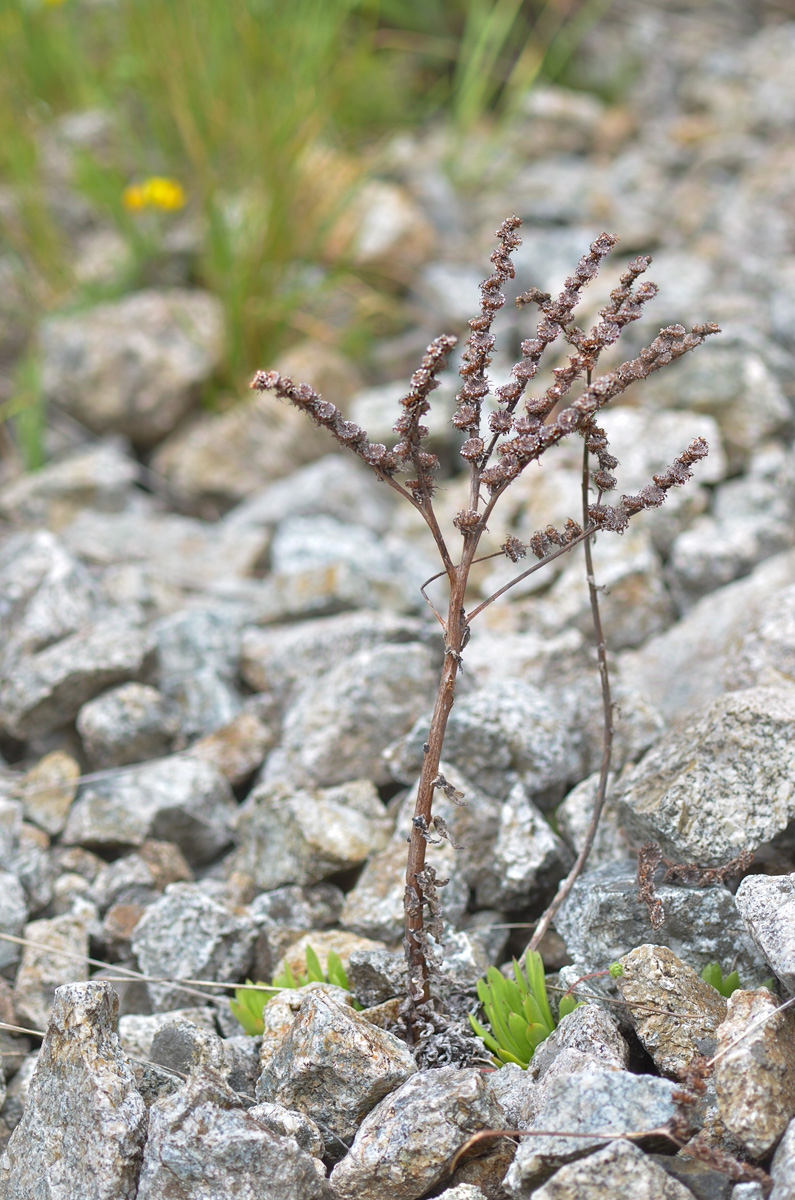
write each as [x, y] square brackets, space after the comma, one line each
[690, 1010]
[83, 1128]
[610, 1172]
[408, 1142]
[201, 1143]
[755, 1076]
[766, 904]
[334, 1066]
[43, 968]
[720, 782]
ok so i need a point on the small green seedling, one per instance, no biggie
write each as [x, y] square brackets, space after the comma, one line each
[249, 1001]
[518, 1011]
[713, 974]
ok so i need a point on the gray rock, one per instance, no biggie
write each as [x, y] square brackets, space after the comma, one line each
[136, 876]
[99, 477]
[188, 934]
[197, 656]
[688, 1010]
[392, 1151]
[766, 654]
[126, 725]
[292, 835]
[593, 1102]
[280, 660]
[136, 1032]
[184, 1047]
[340, 725]
[573, 817]
[783, 1166]
[374, 906]
[683, 668]
[591, 1032]
[83, 1128]
[133, 366]
[48, 790]
[17, 1094]
[14, 914]
[755, 1070]
[527, 858]
[335, 485]
[767, 906]
[239, 1155]
[375, 976]
[608, 1173]
[45, 593]
[514, 1089]
[336, 1088]
[178, 799]
[58, 955]
[290, 1123]
[281, 1010]
[496, 734]
[705, 791]
[312, 907]
[33, 867]
[603, 919]
[237, 748]
[46, 690]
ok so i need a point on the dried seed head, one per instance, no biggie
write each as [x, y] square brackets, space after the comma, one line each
[466, 520]
[514, 548]
[472, 448]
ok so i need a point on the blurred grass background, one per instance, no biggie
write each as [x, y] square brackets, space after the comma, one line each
[263, 119]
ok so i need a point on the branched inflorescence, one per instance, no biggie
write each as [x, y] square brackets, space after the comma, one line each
[503, 431]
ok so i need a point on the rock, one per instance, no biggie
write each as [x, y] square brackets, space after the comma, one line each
[382, 229]
[323, 942]
[127, 725]
[682, 669]
[238, 1154]
[14, 914]
[83, 1128]
[336, 485]
[602, 920]
[375, 976]
[178, 799]
[573, 817]
[294, 835]
[783, 1166]
[334, 1066]
[197, 656]
[289, 1123]
[688, 1009]
[17, 1095]
[765, 655]
[46, 690]
[137, 1032]
[496, 734]
[133, 366]
[189, 934]
[767, 906]
[704, 791]
[221, 458]
[312, 907]
[48, 790]
[280, 1011]
[237, 748]
[374, 906]
[607, 1173]
[280, 659]
[527, 858]
[392, 1150]
[590, 1032]
[32, 866]
[463, 1191]
[136, 876]
[99, 477]
[59, 956]
[514, 1089]
[592, 1101]
[755, 1070]
[179, 1045]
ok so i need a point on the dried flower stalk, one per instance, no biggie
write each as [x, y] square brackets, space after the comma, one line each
[498, 446]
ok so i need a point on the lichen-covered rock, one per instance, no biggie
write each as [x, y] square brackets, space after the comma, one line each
[83, 1128]
[766, 653]
[176, 799]
[766, 904]
[375, 976]
[514, 1089]
[688, 1010]
[720, 781]
[14, 913]
[42, 968]
[238, 1156]
[603, 919]
[127, 725]
[189, 934]
[290, 1123]
[280, 1011]
[289, 834]
[47, 689]
[133, 366]
[755, 1078]
[406, 1144]
[136, 1031]
[592, 1102]
[610, 1172]
[334, 1066]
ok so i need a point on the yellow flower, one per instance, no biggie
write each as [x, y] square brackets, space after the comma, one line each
[155, 192]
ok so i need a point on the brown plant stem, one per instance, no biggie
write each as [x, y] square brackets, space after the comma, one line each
[607, 738]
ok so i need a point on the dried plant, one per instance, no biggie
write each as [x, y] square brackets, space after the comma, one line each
[650, 856]
[501, 439]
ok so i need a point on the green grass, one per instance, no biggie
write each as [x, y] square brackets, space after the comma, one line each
[268, 116]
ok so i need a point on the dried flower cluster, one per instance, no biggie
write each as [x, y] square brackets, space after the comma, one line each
[650, 856]
[503, 431]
